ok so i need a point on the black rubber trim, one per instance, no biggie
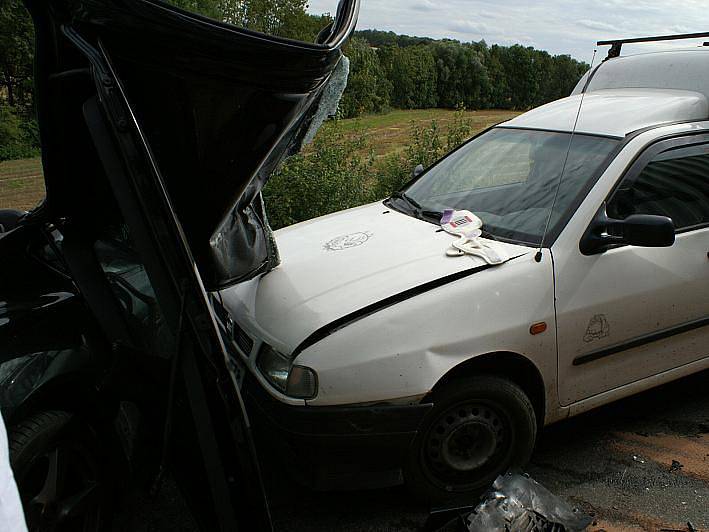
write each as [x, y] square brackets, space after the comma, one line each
[387, 302]
[550, 130]
[643, 340]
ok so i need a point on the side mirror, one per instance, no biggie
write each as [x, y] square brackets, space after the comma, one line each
[644, 230]
[417, 171]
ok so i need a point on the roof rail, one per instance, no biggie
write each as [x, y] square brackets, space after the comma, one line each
[617, 44]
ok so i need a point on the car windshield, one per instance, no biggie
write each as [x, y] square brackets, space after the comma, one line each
[509, 177]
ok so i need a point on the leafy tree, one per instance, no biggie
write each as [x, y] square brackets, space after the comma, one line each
[522, 78]
[368, 88]
[413, 75]
[389, 38]
[18, 136]
[16, 53]
[462, 77]
[208, 8]
[498, 91]
[565, 73]
[284, 18]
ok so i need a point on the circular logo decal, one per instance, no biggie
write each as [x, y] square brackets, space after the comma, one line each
[347, 241]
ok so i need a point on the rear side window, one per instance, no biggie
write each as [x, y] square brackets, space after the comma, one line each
[675, 183]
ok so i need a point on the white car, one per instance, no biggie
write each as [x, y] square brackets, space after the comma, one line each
[373, 354]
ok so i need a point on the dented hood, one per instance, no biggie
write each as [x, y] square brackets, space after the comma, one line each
[218, 108]
[338, 265]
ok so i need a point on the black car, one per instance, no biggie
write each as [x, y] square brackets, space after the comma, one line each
[159, 128]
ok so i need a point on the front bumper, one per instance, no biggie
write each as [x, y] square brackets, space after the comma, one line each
[329, 448]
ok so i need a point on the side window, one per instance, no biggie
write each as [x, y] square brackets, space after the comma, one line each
[130, 284]
[675, 183]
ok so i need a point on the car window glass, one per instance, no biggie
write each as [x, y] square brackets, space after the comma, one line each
[504, 163]
[510, 178]
[130, 284]
[674, 184]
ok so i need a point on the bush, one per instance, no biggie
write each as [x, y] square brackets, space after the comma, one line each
[332, 174]
[339, 171]
[18, 138]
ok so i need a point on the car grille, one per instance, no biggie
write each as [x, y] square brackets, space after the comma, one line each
[243, 340]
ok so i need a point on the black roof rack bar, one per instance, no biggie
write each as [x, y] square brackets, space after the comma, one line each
[617, 44]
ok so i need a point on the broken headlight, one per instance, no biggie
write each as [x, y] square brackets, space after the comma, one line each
[295, 381]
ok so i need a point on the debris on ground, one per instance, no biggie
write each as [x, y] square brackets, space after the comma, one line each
[676, 466]
[517, 503]
[690, 528]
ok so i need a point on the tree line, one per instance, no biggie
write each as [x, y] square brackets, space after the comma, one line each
[398, 71]
[386, 70]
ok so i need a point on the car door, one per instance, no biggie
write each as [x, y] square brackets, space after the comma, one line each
[631, 312]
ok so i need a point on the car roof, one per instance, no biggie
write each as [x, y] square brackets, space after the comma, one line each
[678, 69]
[615, 112]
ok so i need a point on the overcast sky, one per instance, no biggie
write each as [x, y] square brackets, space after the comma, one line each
[560, 27]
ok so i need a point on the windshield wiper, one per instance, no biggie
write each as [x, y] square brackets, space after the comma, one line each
[434, 216]
[417, 209]
[415, 205]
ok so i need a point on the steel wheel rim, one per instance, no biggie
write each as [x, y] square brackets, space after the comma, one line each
[467, 442]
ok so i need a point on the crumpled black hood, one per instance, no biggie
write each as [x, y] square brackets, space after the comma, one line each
[219, 108]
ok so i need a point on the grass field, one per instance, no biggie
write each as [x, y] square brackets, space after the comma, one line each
[391, 132]
[21, 184]
[22, 187]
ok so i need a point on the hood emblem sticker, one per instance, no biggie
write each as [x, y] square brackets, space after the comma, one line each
[347, 241]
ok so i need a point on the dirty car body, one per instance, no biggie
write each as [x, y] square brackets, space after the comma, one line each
[369, 333]
[159, 128]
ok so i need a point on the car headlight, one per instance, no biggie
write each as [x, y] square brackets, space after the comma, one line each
[299, 382]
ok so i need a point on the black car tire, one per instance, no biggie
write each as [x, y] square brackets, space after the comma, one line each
[58, 468]
[478, 428]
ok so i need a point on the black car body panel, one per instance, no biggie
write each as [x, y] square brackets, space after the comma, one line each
[158, 130]
[220, 107]
[342, 447]
[48, 341]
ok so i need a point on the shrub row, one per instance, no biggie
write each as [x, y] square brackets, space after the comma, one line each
[339, 170]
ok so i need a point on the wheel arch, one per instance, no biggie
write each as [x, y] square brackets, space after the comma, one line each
[509, 365]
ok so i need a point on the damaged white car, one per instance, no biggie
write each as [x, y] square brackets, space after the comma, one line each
[384, 348]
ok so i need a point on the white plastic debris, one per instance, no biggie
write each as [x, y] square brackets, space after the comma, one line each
[12, 518]
[468, 228]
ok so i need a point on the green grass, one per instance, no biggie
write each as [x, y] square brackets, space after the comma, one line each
[390, 132]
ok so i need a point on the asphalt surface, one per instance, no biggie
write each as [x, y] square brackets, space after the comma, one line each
[638, 464]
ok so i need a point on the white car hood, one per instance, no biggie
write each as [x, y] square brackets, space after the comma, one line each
[338, 264]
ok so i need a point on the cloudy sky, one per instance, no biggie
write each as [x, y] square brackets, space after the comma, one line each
[558, 26]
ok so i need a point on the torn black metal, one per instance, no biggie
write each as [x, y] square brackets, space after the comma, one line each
[220, 107]
[517, 503]
[159, 124]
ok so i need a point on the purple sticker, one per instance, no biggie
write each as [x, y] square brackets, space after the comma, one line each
[447, 215]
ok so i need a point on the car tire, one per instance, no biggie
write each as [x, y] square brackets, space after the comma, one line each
[478, 428]
[59, 473]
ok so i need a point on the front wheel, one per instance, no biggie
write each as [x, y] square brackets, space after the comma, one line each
[478, 428]
[60, 474]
